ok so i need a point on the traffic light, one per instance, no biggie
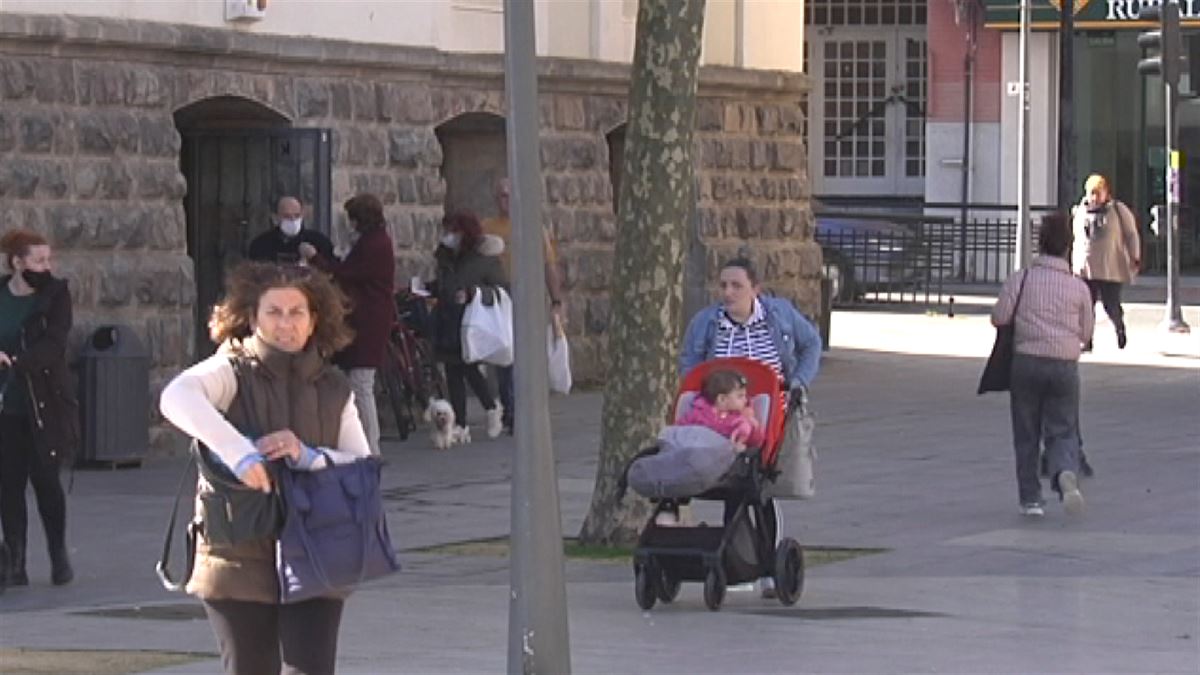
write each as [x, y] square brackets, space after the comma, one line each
[1165, 40]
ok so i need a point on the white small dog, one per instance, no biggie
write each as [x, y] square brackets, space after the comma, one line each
[443, 430]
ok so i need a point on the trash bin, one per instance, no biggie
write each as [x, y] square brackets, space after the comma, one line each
[114, 397]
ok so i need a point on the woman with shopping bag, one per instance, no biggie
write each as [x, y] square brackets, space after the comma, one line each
[468, 273]
[268, 397]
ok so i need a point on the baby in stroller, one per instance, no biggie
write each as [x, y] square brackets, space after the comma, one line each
[742, 548]
[722, 405]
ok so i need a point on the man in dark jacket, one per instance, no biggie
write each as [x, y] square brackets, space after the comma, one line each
[281, 243]
[367, 276]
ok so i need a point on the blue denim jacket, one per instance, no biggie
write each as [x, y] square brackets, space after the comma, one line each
[798, 342]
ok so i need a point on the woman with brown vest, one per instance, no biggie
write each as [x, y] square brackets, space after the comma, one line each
[277, 328]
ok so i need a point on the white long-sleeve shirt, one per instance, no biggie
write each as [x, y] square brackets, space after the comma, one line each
[196, 402]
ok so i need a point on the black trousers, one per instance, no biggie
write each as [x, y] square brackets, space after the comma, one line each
[770, 525]
[1109, 294]
[458, 376]
[20, 465]
[261, 639]
[504, 380]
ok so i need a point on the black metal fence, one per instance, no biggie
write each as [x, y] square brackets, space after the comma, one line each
[873, 258]
[923, 258]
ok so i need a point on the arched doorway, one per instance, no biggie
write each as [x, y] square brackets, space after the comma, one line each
[474, 157]
[616, 162]
[239, 157]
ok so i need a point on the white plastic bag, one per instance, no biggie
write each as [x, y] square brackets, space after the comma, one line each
[560, 358]
[487, 334]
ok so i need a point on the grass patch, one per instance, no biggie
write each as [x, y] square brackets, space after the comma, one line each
[91, 661]
[573, 550]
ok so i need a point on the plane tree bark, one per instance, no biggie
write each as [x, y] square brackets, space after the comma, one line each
[655, 205]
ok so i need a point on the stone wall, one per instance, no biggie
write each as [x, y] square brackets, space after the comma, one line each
[89, 154]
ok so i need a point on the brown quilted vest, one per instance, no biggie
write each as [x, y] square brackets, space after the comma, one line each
[301, 392]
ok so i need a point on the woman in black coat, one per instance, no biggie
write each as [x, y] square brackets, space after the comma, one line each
[39, 415]
[467, 260]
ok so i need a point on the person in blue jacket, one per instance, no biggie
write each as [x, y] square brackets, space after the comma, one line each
[771, 330]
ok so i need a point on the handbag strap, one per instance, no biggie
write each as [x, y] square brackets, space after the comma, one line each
[1020, 292]
[163, 566]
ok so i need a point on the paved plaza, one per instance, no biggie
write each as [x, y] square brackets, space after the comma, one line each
[911, 462]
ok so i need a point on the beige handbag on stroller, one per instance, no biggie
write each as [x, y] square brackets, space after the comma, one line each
[797, 455]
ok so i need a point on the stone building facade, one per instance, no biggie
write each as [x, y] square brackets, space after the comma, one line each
[90, 154]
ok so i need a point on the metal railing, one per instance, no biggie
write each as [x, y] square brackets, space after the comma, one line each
[904, 255]
[914, 258]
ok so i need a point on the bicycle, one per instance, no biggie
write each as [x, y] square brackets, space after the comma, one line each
[411, 376]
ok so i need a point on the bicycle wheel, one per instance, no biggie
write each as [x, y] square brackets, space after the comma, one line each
[432, 381]
[415, 399]
[393, 385]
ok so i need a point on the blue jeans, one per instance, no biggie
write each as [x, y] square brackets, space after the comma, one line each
[1044, 397]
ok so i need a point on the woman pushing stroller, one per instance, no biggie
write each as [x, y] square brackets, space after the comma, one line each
[767, 329]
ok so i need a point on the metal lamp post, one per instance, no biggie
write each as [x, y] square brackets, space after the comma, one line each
[537, 616]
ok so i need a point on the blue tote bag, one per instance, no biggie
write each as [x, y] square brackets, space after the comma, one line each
[334, 533]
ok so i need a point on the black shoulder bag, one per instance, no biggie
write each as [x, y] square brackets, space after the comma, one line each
[997, 374]
[231, 513]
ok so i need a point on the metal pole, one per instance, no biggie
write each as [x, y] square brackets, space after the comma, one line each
[537, 612]
[1173, 319]
[1021, 259]
[1066, 107]
[968, 90]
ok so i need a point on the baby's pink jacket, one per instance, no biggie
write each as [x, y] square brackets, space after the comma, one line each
[731, 425]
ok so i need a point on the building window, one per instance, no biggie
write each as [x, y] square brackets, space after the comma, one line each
[865, 12]
[915, 79]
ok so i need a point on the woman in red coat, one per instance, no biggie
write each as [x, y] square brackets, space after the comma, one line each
[367, 276]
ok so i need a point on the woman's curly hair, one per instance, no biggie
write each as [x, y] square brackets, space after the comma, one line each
[246, 284]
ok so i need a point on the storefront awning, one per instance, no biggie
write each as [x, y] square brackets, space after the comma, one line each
[1089, 14]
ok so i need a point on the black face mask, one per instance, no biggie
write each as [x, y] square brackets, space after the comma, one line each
[37, 280]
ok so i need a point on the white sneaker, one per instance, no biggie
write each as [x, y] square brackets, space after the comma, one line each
[495, 421]
[1033, 510]
[1071, 496]
[766, 587]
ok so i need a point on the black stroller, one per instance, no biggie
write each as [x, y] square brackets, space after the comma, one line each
[742, 549]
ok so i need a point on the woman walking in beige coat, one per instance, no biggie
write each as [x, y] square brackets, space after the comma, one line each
[1107, 251]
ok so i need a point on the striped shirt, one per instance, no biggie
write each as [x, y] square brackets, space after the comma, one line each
[1054, 317]
[751, 339]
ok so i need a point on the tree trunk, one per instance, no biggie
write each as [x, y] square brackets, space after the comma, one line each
[655, 204]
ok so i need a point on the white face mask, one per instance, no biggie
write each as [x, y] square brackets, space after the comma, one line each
[291, 226]
[451, 239]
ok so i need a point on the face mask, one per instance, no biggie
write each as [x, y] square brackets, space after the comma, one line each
[451, 239]
[37, 280]
[291, 226]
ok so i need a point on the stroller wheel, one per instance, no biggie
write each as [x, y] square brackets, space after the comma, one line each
[644, 587]
[668, 587]
[789, 571]
[714, 588]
